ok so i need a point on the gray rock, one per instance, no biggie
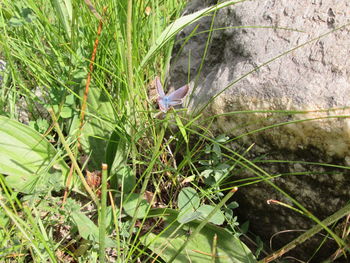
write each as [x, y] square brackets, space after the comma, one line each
[309, 82]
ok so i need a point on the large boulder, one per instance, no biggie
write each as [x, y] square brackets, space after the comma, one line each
[273, 62]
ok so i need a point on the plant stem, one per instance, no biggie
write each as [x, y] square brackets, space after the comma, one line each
[102, 215]
[156, 153]
[129, 45]
[308, 234]
[72, 158]
[23, 228]
[88, 80]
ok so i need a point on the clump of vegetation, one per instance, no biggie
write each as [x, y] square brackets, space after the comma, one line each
[88, 172]
[89, 169]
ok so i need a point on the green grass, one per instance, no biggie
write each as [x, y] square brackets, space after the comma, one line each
[51, 209]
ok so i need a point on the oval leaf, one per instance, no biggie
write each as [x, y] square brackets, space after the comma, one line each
[187, 217]
[217, 219]
[27, 158]
[98, 127]
[130, 204]
[188, 199]
[228, 247]
[87, 229]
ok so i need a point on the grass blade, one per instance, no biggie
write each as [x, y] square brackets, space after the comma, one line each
[171, 31]
[64, 10]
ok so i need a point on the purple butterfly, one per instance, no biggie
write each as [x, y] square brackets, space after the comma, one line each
[174, 98]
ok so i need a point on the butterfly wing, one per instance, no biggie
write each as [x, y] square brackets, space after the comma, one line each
[162, 99]
[159, 88]
[177, 96]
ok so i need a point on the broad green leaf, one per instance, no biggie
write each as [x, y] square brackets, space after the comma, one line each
[14, 21]
[87, 229]
[217, 219]
[188, 199]
[217, 150]
[68, 107]
[205, 162]
[221, 138]
[229, 249]
[175, 27]
[207, 173]
[124, 179]
[66, 112]
[233, 205]
[40, 125]
[99, 124]
[188, 216]
[3, 220]
[116, 157]
[27, 158]
[130, 204]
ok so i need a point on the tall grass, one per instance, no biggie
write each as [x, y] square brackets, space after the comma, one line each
[91, 65]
